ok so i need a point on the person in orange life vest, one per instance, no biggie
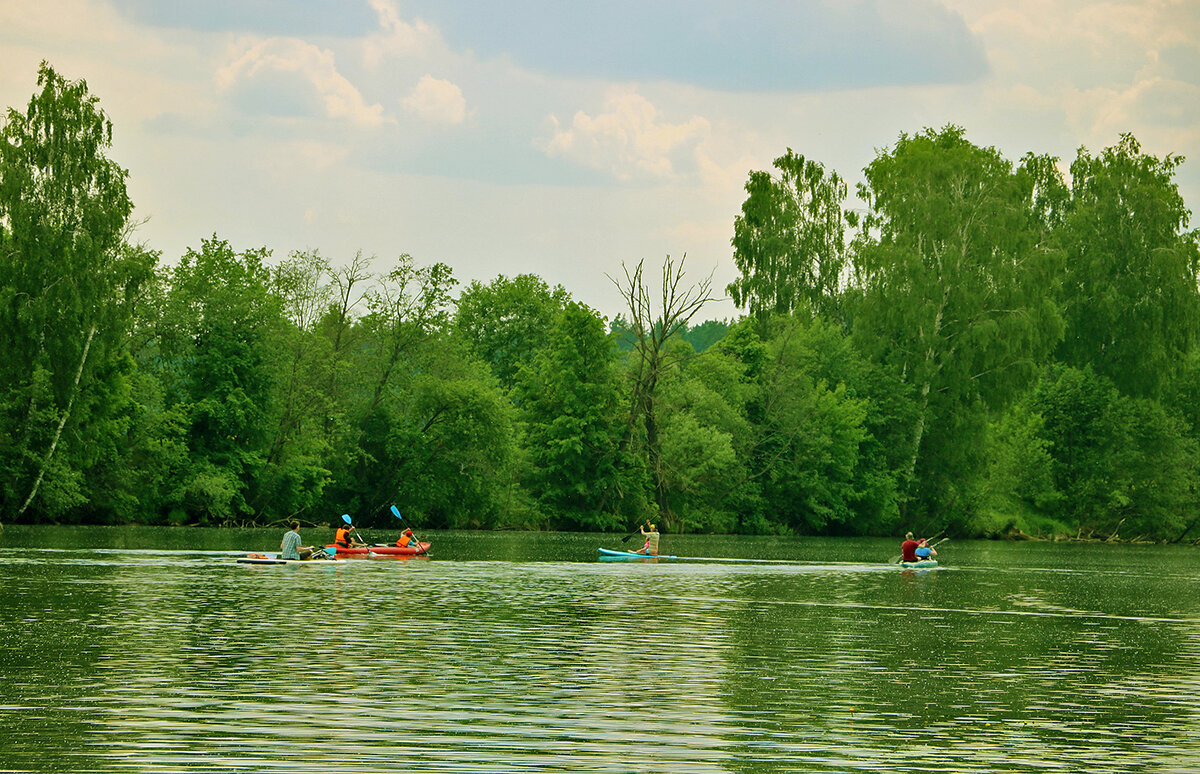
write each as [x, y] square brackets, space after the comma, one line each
[908, 549]
[406, 539]
[344, 537]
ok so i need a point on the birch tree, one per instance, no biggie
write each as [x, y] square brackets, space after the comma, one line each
[953, 269]
[1130, 296]
[66, 289]
[789, 242]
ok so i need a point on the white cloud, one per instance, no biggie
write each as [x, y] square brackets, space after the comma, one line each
[397, 37]
[436, 100]
[1060, 74]
[1167, 111]
[1087, 71]
[313, 67]
[629, 140]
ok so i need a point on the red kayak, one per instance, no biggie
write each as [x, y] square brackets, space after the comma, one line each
[383, 550]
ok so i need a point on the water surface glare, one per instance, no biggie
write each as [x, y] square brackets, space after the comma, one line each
[1010, 657]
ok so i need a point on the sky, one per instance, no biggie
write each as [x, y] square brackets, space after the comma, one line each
[567, 139]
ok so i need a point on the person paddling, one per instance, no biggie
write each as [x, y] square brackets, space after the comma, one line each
[908, 549]
[290, 548]
[407, 539]
[924, 550]
[651, 535]
[344, 537]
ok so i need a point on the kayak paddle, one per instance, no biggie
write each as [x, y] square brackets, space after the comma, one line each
[349, 523]
[396, 511]
[631, 534]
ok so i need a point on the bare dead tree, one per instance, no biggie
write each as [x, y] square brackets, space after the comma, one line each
[653, 330]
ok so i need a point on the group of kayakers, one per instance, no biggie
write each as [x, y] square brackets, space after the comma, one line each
[913, 549]
[345, 537]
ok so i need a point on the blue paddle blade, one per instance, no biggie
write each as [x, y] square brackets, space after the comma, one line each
[396, 511]
[330, 551]
[346, 518]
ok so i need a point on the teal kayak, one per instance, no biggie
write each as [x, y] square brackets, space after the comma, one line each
[922, 563]
[608, 553]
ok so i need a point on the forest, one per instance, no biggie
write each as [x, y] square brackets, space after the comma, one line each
[988, 347]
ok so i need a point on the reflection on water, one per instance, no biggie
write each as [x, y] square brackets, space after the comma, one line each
[182, 661]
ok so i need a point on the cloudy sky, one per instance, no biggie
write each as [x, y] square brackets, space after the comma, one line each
[566, 138]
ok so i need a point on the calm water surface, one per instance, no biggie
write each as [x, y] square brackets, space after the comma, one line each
[153, 651]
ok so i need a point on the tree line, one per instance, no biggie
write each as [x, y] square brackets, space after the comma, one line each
[988, 348]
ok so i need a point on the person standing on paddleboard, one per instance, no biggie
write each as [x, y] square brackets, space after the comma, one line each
[651, 547]
[290, 548]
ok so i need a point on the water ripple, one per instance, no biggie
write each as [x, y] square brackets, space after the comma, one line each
[190, 663]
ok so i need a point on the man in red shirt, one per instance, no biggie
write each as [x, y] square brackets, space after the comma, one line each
[908, 549]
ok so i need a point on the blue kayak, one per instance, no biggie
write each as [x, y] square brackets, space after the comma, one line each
[922, 563]
[608, 553]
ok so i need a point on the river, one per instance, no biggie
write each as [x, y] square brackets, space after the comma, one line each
[151, 650]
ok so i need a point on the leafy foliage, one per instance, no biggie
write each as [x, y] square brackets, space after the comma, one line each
[508, 321]
[951, 274]
[1120, 462]
[1129, 294]
[990, 349]
[789, 241]
[571, 402]
[66, 283]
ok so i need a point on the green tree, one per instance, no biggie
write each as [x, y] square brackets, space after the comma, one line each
[703, 423]
[705, 335]
[403, 360]
[789, 242]
[219, 321]
[1019, 494]
[406, 306]
[508, 321]
[1129, 296]
[66, 284]
[571, 403]
[952, 271]
[449, 443]
[1122, 464]
[821, 469]
[1184, 395]
[295, 468]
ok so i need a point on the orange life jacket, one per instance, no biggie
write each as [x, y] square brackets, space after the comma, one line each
[342, 537]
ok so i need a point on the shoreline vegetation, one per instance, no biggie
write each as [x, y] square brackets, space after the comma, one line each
[1011, 536]
[988, 348]
[1019, 536]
